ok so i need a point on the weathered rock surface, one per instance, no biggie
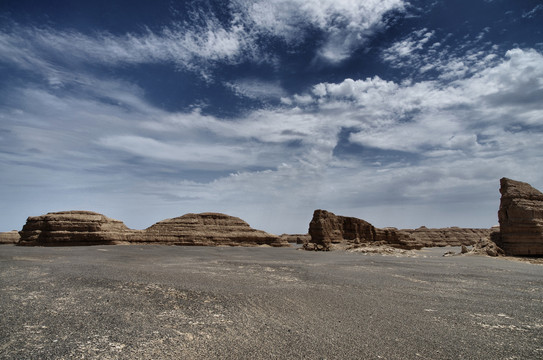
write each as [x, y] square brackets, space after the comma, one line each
[296, 238]
[9, 237]
[208, 229]
[521, 218]
[451, 236]
[73, 228]
[90, 228]
[327, 229]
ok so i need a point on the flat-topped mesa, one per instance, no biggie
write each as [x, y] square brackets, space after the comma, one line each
[451, 236]
[327, 229]
[521, 218]
[207, 229]
[73, 228]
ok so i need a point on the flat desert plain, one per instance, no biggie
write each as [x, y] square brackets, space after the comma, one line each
[168, 302]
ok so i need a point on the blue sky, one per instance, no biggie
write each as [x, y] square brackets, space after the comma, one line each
[403, 113]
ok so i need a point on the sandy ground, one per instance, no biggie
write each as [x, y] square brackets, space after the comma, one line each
[162, 302]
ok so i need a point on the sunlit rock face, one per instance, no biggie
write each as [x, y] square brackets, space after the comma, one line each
[521, 218]
[327, 229]
[450, 236]
[73, 228]
[208, 229]
[90, 228]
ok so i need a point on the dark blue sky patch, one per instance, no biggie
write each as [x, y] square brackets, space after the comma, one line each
[346, 149]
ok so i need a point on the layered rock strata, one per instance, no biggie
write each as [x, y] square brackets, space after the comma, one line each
[207, 229]
[327, 229]
[9, 237]
[451, 236]
[296, 238]
[521, 218]
[90, 228]
[73, 228]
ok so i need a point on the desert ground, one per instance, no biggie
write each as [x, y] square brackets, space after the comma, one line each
[175, 302]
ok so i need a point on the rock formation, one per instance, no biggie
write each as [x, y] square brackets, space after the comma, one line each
[208, 229]
[73, 228]
[90, 228]
[9, 237]
[451, 236]
[327, 229]
[296, 238]
[521, 218]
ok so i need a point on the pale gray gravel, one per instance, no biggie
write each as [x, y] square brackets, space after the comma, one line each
[163, 302]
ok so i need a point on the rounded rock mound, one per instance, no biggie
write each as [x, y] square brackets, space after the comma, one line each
[208, 229]
[73, 228]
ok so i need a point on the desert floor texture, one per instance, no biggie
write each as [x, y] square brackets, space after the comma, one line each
[168, 302]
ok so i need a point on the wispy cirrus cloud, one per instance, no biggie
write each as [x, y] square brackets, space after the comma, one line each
[345, 25]
[201, 45]
[196, 47]
[257, 89]
[414, 142]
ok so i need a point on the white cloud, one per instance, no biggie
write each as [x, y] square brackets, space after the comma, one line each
[533, 12]
[418, 54]
[194, 48]
[346, 24]
[197, 156]
[257, 89]
[200, 45]
[407, 47]
[457, 136]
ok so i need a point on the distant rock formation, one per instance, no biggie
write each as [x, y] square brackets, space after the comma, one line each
[451, 236]
[296, 238]
[9, 237]
[327, 229]
[90, 228]
[73, 228]
[207, 229]
[521, 218]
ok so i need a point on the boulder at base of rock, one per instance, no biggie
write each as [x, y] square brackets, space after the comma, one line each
[327, 229]
[207, 229]
[73, 228]
[521, 218]
[9, 237]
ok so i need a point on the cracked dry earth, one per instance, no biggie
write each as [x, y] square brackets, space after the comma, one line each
[150, 302]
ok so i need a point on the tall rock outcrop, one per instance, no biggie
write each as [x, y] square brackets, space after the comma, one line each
[327, 229]
[207, 229]
[73, 228]
[451, 236]
[521, 218]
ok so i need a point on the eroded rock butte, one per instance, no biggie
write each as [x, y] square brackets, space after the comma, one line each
[327, 229]
[521, 218]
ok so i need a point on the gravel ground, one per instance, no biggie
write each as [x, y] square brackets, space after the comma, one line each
[164, 302]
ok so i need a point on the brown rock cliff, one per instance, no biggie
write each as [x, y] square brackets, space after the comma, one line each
[451, 236]
[327, 229]
[521, 218]
[73, 228]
